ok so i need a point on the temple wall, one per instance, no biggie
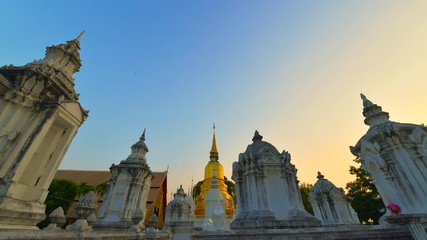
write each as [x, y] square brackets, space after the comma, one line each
[73, 235]
[360, 232]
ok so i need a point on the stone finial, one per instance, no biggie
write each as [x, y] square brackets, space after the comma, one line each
[180, 191]
[366, 102]
[57, 218]
[78, 38]
[152, 223]
[91, 219]
[373, 113]
[137, 217]
[320, 175]
[86, 205]
[257, 136]
[84, 208]
[143, 136]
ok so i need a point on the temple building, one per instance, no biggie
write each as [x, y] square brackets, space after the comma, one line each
[200, 208]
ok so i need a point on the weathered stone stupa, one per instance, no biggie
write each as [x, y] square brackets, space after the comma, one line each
[395, 155]
[179, 217]
[40, 115]
[330, 204]
[179, 209]
[127, 189]
[267, 190]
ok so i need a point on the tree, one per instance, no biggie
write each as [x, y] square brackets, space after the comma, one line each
[101, 189]
[363, 195]
[304, 189]
[61, 194]
[197, 189]
[83, 188]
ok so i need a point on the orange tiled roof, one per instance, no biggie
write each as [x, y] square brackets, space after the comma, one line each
[96, 177]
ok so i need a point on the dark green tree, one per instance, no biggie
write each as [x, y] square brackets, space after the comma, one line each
[304, 189]
[101, 189]
[83, 188]
[363, 195]
[61, 194]
[197, 189]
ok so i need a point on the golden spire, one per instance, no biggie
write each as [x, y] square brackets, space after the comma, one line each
[214, 150]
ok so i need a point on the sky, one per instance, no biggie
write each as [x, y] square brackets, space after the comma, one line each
[293, 70]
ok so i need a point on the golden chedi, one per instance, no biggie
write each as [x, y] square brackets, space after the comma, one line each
[199, 210]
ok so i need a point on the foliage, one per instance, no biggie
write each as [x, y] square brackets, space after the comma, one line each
[83, 188]
[363, 195]
[304, 189]
[101, 189]
[197, 189]
[62, 193]
[231, 189]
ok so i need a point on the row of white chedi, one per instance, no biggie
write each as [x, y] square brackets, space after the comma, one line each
[394, 154]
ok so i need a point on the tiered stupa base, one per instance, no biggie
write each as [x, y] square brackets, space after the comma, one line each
[266, 220]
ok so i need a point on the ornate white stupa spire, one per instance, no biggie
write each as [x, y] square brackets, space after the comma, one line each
[139, 149]
[373, 113]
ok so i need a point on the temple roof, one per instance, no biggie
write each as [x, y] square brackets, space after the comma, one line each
[94, 178]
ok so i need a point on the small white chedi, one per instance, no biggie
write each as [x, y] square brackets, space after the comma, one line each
[127, 189]
[215, 218]
[179, 215]
[330, 204]
[267, 190]
[179, 209]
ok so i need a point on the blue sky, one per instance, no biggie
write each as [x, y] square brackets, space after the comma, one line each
[291, 69]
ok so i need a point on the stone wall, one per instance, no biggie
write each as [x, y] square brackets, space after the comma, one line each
[73, 235]
[343, 232]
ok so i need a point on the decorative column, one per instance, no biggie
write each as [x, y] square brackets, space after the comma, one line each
[127, 189]
[395, 156]
[267, 190]
[40, 115]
